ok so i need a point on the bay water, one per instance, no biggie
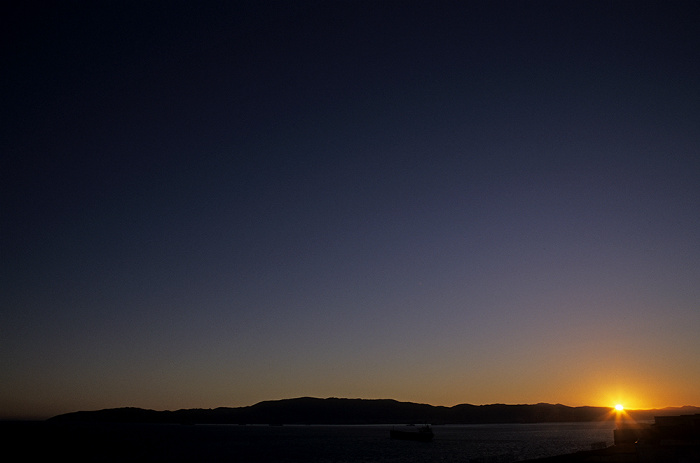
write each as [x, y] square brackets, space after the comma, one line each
[313, 444]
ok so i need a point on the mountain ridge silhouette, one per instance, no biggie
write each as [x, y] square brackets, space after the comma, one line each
[333, 410]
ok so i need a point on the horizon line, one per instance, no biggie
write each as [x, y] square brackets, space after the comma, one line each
[611, 407]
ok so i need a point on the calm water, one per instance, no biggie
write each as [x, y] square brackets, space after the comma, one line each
[319, 444]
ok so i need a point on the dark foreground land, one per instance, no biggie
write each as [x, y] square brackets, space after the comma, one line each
[670, 439]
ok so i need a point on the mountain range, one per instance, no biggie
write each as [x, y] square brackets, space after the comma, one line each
[309, 410]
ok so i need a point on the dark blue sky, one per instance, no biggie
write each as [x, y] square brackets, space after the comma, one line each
[213, 204]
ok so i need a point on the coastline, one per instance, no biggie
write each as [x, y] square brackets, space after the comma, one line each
[669, 439]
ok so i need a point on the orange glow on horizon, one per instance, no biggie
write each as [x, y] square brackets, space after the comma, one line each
[619, 407]
[630, 397]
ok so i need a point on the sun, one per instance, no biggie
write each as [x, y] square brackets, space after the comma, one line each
[619, 407]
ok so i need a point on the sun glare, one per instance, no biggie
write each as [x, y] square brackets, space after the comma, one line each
[619, 407]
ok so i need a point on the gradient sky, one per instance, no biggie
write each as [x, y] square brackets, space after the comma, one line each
[216, 203]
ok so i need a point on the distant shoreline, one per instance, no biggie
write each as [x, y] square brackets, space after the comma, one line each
[309, 410]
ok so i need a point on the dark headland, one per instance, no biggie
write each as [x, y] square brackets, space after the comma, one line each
[309, 410]
[135, 434]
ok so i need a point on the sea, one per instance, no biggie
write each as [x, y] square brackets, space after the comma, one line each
[112, 442]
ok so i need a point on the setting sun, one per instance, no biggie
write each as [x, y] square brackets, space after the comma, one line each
[619, 407]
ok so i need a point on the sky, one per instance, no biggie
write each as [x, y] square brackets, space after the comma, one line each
[210, 204]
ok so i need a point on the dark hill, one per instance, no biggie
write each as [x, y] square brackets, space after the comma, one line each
[308, 410]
